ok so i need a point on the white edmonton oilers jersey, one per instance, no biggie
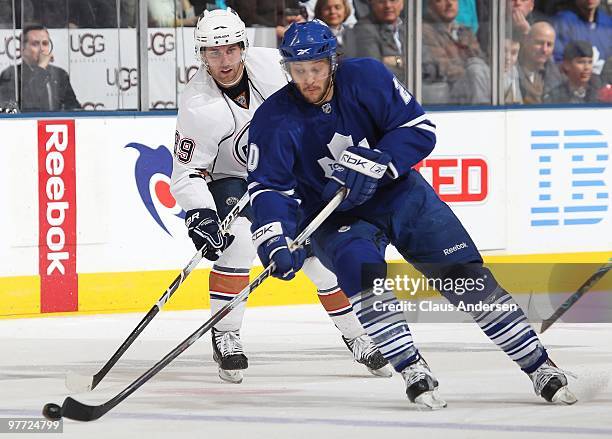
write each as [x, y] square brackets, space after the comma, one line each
[211, 139]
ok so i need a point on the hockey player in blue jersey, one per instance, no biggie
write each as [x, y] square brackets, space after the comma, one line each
[353, 125]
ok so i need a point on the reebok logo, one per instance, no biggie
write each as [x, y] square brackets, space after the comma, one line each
[352, 160]
[453, 249]
[57, 215]
[262, 231]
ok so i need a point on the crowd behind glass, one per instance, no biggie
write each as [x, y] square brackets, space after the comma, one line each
[551, 51]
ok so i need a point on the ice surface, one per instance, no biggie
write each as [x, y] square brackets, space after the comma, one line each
[301, 383]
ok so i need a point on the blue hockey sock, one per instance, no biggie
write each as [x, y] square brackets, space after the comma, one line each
[388, 329]
[511, 332]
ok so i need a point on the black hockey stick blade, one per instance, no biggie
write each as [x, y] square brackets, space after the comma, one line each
[73, 409]
[571, 300]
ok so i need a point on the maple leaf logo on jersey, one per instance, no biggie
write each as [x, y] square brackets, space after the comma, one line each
[336, 146]
[152, 172]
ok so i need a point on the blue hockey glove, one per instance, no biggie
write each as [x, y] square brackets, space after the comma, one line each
[359, 170]
[203, 229]
[273, 246]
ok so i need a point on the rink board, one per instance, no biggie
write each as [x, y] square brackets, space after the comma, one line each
[523, 182]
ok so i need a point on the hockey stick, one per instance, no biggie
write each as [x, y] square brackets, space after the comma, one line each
[73, 409]
[585, 287]
[80, 383]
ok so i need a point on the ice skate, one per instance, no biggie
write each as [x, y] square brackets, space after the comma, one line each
[550, 383]
[228, 354]
[421, 386]
[365, 352]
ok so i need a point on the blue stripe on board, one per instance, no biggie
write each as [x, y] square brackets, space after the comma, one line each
[575, 145]
[577, 196]
[581, 133]
[588, 170]
[583, 183]
[544, 197]
[537, 223]
[585, 209]
[544, 209]
[544, 146]
[544, 159]
[581, 221]
[602, 157]
[602, 195]
[544, 133]
[544, 184]
[545, 171]
[577, 158]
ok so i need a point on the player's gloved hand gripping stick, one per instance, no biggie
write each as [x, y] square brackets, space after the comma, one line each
[73, 409]
[79, 383]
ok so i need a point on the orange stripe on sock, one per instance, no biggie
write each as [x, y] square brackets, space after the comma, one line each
[227, 284]
[335, 301]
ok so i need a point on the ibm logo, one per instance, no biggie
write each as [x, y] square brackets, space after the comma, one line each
[572, 187]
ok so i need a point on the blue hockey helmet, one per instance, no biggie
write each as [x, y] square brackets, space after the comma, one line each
[308, 41]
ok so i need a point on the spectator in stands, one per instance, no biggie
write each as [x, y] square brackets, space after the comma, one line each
[538, 74]
[348, 22]
[585, 21]
[452, 56]
[523, 16]
[42, 86]
[512, 87]
[334, 13]
[92, 14]
[379, 36]
[580, 85]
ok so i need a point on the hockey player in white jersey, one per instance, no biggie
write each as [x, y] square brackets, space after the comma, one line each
[209, 176]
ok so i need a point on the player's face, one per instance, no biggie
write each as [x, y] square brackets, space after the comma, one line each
[579, 70]
[36, 44]
[311, 78]
[224, 62]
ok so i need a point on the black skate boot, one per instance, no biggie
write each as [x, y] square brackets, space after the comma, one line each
[228, 354]
[550, 383]
[421, 386]
[365, 352]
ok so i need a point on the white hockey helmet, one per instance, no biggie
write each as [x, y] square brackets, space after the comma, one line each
[219, 27]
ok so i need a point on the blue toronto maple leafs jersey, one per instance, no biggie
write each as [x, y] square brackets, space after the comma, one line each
[293, 145]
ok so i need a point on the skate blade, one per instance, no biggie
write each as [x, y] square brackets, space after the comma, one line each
[231, 376]
[565, 396]
[385, 371]
[429, 401]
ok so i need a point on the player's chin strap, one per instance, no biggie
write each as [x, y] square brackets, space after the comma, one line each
[325, 97]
